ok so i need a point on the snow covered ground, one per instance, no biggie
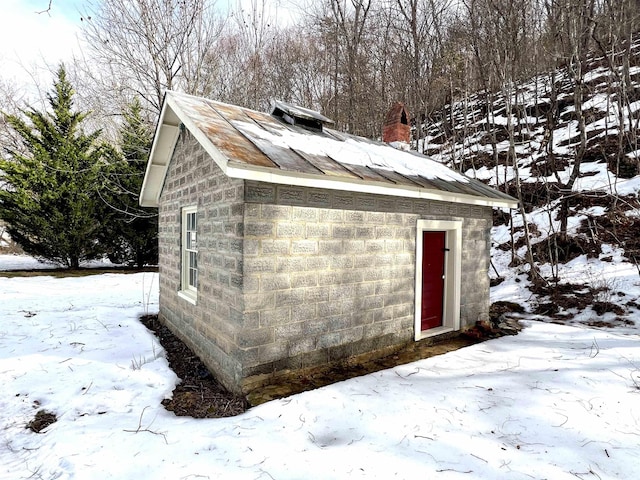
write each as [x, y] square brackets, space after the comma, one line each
[25, 262]
[554, 402]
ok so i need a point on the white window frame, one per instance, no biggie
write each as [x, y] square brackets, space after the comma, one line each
[189, 254]
[452, 272]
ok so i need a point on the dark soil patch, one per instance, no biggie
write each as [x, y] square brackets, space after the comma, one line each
[585, 200]
[65, 272]
[198, 394]
[564, 296]
[500, 217]
[556, 249]
[548, 165]
[289, 383]
[499, 133]
[498, 309]
[548, 309]
[590, 115]
[41, 421]
[616, 228]
[602, 307]
[616, 322]
[534, 195]
[474, 161]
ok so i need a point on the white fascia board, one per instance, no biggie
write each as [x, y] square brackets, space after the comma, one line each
[161, 152]
[164, 142]
[338, 183]
[153, 181]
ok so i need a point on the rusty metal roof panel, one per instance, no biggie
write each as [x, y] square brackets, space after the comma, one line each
[282, 155]
[327, 165]
[480, 188]
[221, 133]
[394, 177]
[366, 173]
[267, 122]
[323, 163]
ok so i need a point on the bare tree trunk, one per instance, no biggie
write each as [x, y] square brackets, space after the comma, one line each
[578, 30]
[351, 22]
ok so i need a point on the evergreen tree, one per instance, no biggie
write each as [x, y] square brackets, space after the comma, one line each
[49, 194]
[131, 232]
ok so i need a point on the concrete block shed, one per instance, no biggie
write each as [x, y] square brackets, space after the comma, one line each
[285, 244]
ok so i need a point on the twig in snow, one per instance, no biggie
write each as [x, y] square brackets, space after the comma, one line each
[579, 474]
[36, 473]
[103, 324]
[597, 349]
[479, 458]
[140, 429]
[146, 294]
[87, 389]
[566, 419]
[453, 470]
[408, 374]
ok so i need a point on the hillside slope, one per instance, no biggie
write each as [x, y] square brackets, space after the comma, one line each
[531, 132]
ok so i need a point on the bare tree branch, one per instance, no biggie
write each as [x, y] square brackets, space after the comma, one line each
[47, 10]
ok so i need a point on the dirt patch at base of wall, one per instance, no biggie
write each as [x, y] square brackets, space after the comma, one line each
[199, 395]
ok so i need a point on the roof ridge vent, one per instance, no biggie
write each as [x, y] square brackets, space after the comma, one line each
[300, 116]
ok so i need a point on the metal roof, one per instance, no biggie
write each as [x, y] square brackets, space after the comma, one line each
[257, 146]
[296, 111]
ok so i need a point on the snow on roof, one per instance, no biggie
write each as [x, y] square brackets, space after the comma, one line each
[257, 146]
[353, 151]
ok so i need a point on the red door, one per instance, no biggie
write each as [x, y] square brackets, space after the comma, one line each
[433, 257]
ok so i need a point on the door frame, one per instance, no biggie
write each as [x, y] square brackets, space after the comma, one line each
[452, 272]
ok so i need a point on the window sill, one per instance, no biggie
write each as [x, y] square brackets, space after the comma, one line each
[191, 297]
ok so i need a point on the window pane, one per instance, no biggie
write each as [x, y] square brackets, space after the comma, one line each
[189, 242]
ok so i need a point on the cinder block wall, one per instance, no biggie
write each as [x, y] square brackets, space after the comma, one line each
[293, 277]
[211, 326]
[329, 274]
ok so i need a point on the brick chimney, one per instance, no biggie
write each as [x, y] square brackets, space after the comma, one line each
[396, 126]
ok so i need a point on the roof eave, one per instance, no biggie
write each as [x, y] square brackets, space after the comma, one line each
[172, 118]
[164, 142]
[270, 175]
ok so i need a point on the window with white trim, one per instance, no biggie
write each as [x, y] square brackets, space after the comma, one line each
[189, 283]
